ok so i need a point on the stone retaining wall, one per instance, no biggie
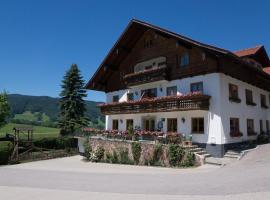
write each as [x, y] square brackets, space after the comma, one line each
[146, 153]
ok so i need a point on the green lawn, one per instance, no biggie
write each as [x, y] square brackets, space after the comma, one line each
[39, 131]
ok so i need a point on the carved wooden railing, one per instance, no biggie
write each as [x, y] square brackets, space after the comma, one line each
[146, 76]
[160, 104]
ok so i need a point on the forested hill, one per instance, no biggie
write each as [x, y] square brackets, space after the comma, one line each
[38, 108]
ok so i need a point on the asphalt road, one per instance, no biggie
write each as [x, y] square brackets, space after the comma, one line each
[69, 178]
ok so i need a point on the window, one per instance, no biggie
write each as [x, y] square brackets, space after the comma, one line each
[148, 43]
[172, 125]
[263, 101]
[196, 87]
[184, 59]
[250, 127]
[149, 124]
[267, 126]
[197, 125]
[234, 125]
[130, 96]
[261, 126]
[172, 91]
[149, 93]
[116, 98]
[115, 124]
[233, 93]
[129, 124]
[249, 98]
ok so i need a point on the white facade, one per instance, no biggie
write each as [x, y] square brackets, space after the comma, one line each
[216, 120]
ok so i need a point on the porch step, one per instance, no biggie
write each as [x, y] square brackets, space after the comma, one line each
[194, 150]
[202, 152]
[232, 154]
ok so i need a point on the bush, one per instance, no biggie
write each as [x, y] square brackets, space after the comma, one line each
[6, 149]
[87, 150]
[112, 158]
[176, 153]
[136, 151]
[188, 160]
[98, 155]
[157, 153]
[123, 156]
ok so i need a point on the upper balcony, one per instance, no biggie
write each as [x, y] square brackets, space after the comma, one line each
[146, 76]
[192, 101]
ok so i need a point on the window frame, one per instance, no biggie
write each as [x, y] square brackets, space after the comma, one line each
[261, 126]
[250, 122]
[172, 124]
[263, 101]
[197, 121]
[196, 84]
[150, 89]
[129, 121]
[249, 97]
[234, 93]
[128, 96]
[184, 59]
[235, 123]
[113, 124]
[170, 87]
[114, 100]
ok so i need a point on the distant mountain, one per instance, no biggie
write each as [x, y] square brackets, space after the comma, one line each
[24, 105]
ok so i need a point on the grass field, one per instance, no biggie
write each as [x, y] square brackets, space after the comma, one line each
[39, 131]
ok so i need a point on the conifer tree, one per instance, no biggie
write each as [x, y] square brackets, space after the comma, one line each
[4, 109]
[72, 105]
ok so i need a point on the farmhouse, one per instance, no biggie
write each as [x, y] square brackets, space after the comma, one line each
[158, 80]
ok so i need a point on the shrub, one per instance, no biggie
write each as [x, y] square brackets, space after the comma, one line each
[157, 153]
[99, 153]
[123, 156]
[56, 143]
[136, 151]
[112, 158]
[188, 160]
[6, 149]
[87, 150]
[176, 153]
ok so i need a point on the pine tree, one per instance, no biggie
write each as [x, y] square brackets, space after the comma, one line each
[4, 108]
[72, 105]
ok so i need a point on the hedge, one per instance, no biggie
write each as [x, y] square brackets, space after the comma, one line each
[6, 149]
[56, 143]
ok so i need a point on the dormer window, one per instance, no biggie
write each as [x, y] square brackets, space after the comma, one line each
[184, 59]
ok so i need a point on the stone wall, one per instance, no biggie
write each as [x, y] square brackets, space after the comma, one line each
[146, 153]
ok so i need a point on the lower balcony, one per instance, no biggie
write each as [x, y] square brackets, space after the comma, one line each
[193, 101]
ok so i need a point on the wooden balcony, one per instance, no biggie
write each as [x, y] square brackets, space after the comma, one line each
[146, 76]
[160, 104]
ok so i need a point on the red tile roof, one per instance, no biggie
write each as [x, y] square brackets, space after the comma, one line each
[247, 52]
[267, 70]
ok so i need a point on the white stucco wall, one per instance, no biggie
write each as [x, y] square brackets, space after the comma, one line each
[217, 119]
[242, 110]
[211, 85]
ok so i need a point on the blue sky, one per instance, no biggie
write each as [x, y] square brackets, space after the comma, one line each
[39, 40]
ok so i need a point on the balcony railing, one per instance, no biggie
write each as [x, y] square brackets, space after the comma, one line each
[193, 101]
[146, 76]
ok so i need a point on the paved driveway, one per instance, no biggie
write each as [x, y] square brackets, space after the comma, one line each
[72, 178]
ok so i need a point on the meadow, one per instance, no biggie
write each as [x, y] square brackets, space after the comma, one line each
[38, 131]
